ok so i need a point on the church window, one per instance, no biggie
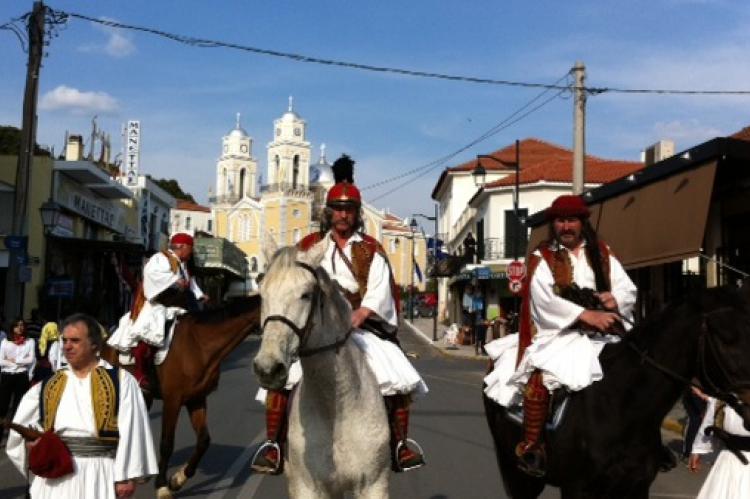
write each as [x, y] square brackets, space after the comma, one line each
[242, 183]
[297, 234]
[296, 213]
[246, 228]
[295, 171]
[224, 180]
[277, 167]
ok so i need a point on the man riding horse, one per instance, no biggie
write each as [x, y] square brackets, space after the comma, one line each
[559, 340]
[359, 265]
[167, 291]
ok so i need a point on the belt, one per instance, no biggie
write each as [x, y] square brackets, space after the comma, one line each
[90, 447]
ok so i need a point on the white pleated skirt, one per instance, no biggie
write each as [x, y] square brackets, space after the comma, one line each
[393, 371]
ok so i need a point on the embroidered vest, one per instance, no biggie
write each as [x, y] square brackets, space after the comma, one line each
[105, 399]
[562, 272]
[363, 252]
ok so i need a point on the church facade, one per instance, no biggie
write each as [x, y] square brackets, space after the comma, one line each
[289, 204]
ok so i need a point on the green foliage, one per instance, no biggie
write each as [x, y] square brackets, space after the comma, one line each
[10, 142]
[173, 187]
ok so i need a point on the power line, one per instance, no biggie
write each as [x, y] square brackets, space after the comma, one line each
[489, 133]
[506, 125]
[207, 43]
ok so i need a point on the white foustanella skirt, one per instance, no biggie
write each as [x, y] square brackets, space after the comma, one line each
[392, 370]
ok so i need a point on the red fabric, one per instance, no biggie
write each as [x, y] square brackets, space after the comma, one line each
[309, 241]
[142, 352]
[567, 206]
[19, 340]
[182, 238]
[50, 457]
[344, 192]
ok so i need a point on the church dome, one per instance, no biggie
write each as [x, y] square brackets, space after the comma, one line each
[321, 173]
[238, 131]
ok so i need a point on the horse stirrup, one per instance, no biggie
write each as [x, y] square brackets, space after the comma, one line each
[403, 444]
[262, 464]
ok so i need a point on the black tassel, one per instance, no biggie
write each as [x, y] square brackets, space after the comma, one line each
[343, 169]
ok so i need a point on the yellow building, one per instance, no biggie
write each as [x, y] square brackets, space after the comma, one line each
[289, 205]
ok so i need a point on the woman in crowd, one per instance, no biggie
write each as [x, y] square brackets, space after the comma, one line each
[48, 353]
[16, 363]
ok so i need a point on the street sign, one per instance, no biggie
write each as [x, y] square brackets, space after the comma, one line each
[482, 272]
[515, 286]
[60, 288]
[15, 242]
[516, 271]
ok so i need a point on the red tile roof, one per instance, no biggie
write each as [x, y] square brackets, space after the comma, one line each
[541, 160]
[396, 228]
[743, 134]
[188, 206]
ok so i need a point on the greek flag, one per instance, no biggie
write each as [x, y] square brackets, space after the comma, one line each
[417, 271]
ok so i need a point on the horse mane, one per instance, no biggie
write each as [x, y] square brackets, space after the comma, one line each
[228, 310]
[282, 261]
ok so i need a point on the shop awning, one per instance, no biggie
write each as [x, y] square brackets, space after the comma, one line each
[661, 222]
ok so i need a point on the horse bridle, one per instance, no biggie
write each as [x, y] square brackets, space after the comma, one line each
[706, 346]
[303, 333]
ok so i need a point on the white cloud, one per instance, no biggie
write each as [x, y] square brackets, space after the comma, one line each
[72, 99]
[686, 133]
[117, 44]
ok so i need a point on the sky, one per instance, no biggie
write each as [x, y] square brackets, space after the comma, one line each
[186, 97]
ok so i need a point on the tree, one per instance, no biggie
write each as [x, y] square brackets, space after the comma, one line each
[172, 187]
[10, 142]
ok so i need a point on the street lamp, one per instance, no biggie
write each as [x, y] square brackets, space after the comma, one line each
[434, 262]
[412, 228]
[479, 173]
[50, 212]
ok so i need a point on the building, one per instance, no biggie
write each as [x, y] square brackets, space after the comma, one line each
[191, 218]
[152, 206]
[486, 212]
[290, 204]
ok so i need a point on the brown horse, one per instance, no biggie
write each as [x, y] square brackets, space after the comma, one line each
[202, 340]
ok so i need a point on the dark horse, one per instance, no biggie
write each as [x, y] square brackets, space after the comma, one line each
[191, 371]
[609, 442]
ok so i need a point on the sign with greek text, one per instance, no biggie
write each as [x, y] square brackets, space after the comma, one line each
[132, 152]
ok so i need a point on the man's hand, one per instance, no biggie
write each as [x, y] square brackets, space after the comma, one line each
[360, 315]
[608, 300]
[694, 463]
[30, 444]
[125, 489]
[600, 321]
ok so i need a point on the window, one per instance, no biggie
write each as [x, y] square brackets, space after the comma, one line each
[297, 235]
[242, 183]
[208, 226]
[187, 223]
[296, 213]
[516, 234]
[295, 171]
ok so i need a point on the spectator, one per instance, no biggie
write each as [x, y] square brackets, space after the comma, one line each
[480, 327]
[694, 401]
[470, 248]
[34, 325]
[16, 363]
[49, 356]
[467, 306]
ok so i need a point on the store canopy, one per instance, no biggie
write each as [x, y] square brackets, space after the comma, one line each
[660, 222]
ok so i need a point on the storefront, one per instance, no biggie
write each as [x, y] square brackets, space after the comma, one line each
[492, 282]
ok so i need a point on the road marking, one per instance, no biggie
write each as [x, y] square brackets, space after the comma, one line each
[448, 380]
[228, 478]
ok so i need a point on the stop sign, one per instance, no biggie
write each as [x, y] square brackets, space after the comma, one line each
[516, 270]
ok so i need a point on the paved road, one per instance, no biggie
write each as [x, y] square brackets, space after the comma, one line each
[449, 423]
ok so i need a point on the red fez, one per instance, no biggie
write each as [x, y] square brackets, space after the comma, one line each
[344, 193]
[567, 206]
[50, 457]
[182, 238]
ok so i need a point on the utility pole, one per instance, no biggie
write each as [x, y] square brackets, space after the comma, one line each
[14, 288]
[579, 128]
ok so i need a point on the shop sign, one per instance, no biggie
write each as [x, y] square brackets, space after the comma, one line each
[100, 210]
[133, 152]
[482, 273]
[24, 273]
[60, 288]
[64, 227]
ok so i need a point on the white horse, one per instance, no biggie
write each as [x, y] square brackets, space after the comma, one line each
[338, 434]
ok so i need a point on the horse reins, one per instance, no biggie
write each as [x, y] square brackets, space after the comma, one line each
[303, 333]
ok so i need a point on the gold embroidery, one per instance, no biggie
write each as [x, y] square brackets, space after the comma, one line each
[53, 391]
[104, 400]
[174, 262]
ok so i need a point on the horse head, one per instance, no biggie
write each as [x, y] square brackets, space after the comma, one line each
[725, 347]
[301, 312]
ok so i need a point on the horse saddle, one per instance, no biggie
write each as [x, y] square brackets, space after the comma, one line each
[558, 407]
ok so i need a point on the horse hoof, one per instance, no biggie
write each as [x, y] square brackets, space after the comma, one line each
[163, 493]
[178, 480]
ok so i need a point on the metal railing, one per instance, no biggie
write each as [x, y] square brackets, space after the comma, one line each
[284, 187]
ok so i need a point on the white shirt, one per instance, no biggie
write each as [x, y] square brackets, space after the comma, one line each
[378, 297]
[94, 477]
[16, 359]
[158, 276]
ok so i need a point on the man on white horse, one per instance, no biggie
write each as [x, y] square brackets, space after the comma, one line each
[167, 291]
[359, 265]
[557, 345]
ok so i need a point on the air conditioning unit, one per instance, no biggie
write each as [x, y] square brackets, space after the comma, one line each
[657, 152]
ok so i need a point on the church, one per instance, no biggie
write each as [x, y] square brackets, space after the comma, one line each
[289, 204]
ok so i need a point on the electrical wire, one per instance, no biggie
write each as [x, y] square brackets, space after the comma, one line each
[489, 133]
[206, 43]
